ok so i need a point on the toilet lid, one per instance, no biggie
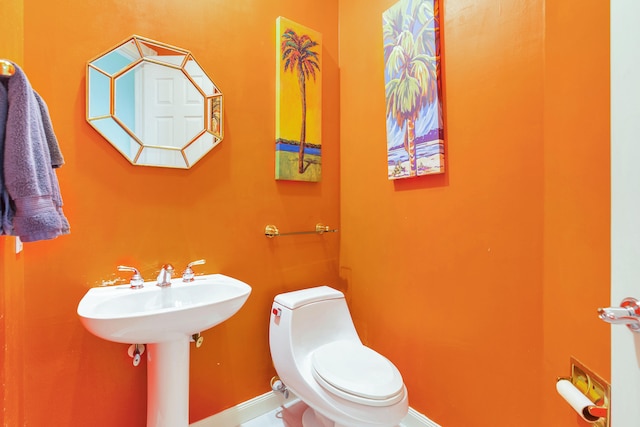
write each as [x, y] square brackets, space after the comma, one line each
[352, 368]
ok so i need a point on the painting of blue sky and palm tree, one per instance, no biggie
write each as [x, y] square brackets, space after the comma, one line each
[415, 126]
[298, 102]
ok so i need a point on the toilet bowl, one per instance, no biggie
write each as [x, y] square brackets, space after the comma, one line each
[318, 355]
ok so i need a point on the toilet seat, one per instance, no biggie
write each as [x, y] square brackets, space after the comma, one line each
[357, 373]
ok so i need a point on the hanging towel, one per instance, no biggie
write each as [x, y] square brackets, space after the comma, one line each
[52, 142]
[28, 171]
[6, 212]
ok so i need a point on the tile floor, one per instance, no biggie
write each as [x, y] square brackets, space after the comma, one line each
[284, 416]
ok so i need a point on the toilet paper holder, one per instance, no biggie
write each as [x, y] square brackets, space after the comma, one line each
[595, 389]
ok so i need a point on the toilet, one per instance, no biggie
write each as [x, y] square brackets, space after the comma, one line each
[318, 355]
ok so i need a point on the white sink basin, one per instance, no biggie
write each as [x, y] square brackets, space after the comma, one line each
[153, 314]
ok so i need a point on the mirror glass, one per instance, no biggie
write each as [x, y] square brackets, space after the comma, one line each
[154, 103]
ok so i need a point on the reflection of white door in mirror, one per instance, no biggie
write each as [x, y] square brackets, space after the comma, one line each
[172, 111]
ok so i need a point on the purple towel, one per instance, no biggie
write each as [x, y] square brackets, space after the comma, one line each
[52, 142]
[28, 171]
[6, 211]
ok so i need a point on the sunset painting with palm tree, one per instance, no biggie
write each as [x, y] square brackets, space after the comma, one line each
[298, 102]
[415, 144]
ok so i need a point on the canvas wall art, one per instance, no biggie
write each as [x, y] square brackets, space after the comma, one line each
[413, 89]
[298, 102]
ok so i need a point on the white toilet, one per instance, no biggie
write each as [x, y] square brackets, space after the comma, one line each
[318, 355]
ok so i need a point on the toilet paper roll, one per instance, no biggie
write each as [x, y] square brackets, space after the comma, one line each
[578, 401]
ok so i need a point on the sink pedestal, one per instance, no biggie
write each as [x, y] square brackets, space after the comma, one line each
[168, 383]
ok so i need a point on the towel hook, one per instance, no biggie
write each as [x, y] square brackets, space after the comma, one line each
[7, 68]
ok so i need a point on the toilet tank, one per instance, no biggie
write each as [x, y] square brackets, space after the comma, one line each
[297, 299]
[310, 318]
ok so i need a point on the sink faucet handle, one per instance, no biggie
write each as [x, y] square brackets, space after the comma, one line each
[188, 274]
[164, 278]
[136, 281]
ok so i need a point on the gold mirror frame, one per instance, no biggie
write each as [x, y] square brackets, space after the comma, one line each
[154, 103]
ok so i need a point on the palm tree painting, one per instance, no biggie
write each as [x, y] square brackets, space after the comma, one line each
[298, 102]
[415, 142]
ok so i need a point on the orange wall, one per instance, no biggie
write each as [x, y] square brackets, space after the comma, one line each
[121, 214]
[477, 283]
[577, 191]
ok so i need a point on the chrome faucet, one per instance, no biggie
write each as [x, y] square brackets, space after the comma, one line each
[188, 274]
[137, 281]
[164, 278]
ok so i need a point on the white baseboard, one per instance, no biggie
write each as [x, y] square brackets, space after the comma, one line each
[270, 401]
[416, 419]
[245, 411]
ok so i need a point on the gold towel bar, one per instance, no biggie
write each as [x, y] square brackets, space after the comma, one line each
[272, 231]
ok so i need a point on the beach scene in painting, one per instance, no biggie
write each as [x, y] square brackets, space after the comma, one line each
[298, 102]
[413, 90]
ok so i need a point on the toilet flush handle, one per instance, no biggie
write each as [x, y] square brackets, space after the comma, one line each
[276, 312]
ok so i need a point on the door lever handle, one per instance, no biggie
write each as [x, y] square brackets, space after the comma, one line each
[627, 314]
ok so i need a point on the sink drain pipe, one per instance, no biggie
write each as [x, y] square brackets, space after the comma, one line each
[136, 351]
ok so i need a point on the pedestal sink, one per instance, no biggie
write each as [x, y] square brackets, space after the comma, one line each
[164, 319]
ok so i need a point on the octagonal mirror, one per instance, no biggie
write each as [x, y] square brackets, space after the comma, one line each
[154, 103]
